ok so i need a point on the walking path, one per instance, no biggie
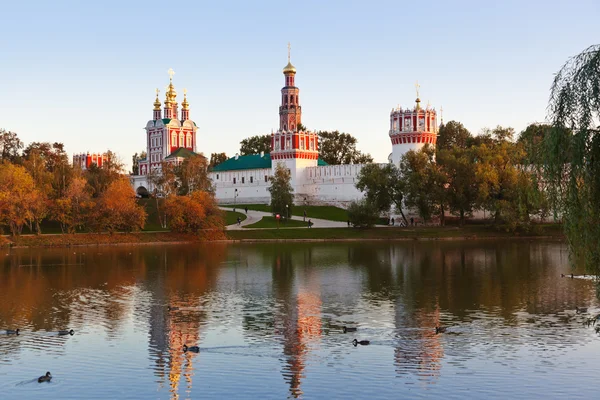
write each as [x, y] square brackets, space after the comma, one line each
[255, 216]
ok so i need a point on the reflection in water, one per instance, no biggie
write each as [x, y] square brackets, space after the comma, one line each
[258, 309]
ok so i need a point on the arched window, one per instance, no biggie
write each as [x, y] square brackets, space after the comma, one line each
[173, 139]
[181, 143]
[292, 99]
[189, 141]
[285, 127]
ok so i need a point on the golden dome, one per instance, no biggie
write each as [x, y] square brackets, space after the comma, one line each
[184, 104]
[156, 104]
[289, 68]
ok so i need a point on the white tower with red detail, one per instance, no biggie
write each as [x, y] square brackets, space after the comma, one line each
[292, 144]
[411, 129]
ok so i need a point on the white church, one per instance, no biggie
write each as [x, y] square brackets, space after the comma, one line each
[245, 179]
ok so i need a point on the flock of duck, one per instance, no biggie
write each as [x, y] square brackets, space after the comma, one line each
[48, 376]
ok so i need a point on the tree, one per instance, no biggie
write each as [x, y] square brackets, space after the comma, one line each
[462, 190]
[281, 191]
[99, 178]
[48, 164]
[193, 175]
[190, 214]
[362, 214]
[10, 146]
[135, 162]
[166, 183]
[117, 209]
[72, 210]
[573, 165]
[17, 197]
[451, 135]
[383, 187]
[255, 145]
[426, 183]
[337, 148]
[216, 159]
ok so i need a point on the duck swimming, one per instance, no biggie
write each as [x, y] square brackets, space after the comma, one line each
[440, 329]
[12, 332]
[64, 333]
[172, 308]
[580, 310]
[193, 349]
[361, 342]
[45, 378]
[346, 329]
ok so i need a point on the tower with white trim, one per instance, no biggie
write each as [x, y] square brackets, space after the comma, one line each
[412, 129]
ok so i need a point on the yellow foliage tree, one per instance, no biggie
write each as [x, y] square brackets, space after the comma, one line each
[18, 197]
[117, 209]
[190, 214]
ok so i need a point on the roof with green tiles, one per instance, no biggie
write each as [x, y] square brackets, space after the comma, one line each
[251, 161]
[183, 153]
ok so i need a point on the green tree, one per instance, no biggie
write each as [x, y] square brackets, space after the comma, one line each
[281, 191]
[573, 167]
[192, 174]
[458, 165]
[216, 159]
[255, 145]
[426, 183]
[452, 135]
[135, 162]
[383, 187]
[362, 214]
[10, 146]
[337, 148]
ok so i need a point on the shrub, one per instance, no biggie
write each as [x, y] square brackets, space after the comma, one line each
[362, 214]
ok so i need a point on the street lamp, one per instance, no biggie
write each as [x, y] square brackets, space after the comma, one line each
[287, 213]
[235, 199]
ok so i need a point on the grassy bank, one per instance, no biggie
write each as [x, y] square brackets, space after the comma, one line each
[231, 217]
[318, 212]
[468, 232]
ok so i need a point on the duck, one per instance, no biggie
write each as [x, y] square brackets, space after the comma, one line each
[64, 333]
[440, 329]
[45, 378]
[597, 329]
[580, 310]
[346, 329]
[12, 332]
[562, 275]
[193, 349]
[172, 308]
[361, 342]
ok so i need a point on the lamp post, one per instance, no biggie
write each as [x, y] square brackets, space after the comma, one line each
[287, 212]
[235, 199]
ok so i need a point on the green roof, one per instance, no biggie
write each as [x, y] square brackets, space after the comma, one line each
[181, 152]
[166, 121]
[251, 161]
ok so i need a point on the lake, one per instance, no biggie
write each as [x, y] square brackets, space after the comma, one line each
[269, 318]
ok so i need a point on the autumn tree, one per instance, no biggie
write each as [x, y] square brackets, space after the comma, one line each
[72, 210]
[383, 187]
[255, 145]
[17, 197]
[216, 159]
[190, 214]
[117, 209]
[99, 178]
[10, 146]
[337, 148]
[166, 184]
[281, 191]
[462, 193]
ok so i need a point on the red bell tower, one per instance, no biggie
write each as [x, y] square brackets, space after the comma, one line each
[290, 112]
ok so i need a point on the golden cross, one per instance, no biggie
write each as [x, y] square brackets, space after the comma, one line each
[157, 92]
[184, 92]
[417, 86]
[171, 73]
[289, 51]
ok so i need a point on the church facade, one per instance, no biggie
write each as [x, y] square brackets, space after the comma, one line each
[245, 179]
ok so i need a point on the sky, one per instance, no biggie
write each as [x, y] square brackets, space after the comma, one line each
[84, 73]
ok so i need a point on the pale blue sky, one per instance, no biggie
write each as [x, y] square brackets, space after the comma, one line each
[84, 73]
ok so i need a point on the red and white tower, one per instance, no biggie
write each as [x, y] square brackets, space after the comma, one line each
[292, 144]
[411, 129]
[165, 136]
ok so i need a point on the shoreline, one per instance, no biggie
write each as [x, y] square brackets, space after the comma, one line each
[277, 236]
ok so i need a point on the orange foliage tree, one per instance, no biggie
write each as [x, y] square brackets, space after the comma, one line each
[18, 197]
[72, 210]
[190, 214]
[117, 209]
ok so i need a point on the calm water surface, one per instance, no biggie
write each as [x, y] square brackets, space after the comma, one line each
[268, 320]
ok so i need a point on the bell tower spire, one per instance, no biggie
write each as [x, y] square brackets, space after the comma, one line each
[290, 111]
[157, 112]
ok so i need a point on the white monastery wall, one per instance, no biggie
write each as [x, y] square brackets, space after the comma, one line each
[251, 185]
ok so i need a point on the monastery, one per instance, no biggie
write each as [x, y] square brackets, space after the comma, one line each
[244, 179]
